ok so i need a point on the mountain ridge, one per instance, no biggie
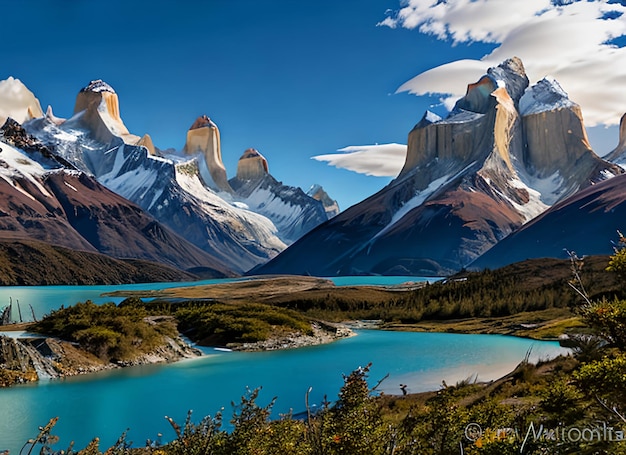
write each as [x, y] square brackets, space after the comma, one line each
[186, 191]
[469, 180]
[44, 201]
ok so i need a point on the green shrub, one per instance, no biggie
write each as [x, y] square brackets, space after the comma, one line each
[110, 332]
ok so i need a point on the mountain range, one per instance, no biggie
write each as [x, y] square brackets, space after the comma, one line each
[507, 175]
[183, 199]
[506, 153]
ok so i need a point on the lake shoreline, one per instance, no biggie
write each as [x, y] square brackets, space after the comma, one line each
[34, 358]
[322, 332]
[54, 358]
[69, 360]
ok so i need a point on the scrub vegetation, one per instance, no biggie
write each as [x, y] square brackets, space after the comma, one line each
[110, 332]
[569, 405]
[122, 332]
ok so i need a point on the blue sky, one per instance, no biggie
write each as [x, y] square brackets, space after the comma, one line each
[294, 79]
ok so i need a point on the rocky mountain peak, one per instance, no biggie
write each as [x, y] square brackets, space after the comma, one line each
[252, 165]
[510, 75]
[203, 122]
[484, 121]
[318, 193]
[204, 138]
[556, 146]
[98, 86]
[98, 95]
[469, 180]
[50, 117]
[146, 141]
[545, 95]
[99, 107]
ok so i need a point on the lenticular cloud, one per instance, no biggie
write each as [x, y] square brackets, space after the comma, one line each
[384, 160]
[573, 41]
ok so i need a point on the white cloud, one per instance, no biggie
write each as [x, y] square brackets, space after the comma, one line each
[384, 160]
[568, 42]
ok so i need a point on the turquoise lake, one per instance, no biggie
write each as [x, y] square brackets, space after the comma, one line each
[106, 404]
[43, 299]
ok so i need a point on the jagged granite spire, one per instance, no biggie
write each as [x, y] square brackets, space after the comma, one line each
[203, 138]
[100, 108]
[252, 165]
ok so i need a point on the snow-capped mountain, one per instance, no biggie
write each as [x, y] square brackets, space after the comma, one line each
[187, 191]
[330, 205]
[44, 199]
[504, 154]
[292, 211]
[585, 223]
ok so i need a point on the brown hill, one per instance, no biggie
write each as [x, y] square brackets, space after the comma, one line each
[32, 263]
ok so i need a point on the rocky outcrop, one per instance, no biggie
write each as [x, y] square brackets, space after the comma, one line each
[330, 205]
[252, 165]
[17, 102]
[99, 109]
[292, 211]
[204, 137]
[16, 362]
[43, 358]
[437, 146]
[146, 141]
[499, 159]
[322, 333]
[14, 134]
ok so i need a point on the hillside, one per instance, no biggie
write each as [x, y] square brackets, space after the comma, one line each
[32, 263]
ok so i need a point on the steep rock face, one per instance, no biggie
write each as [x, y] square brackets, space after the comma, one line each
[557, 147]
[291, 210]
[586, 223]
[99, 110]
[204, 137]
[17, 102]
[146, 141]
[239, 236]
[468, 181]
[23, 362]
[252, 166]
[330, 205]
